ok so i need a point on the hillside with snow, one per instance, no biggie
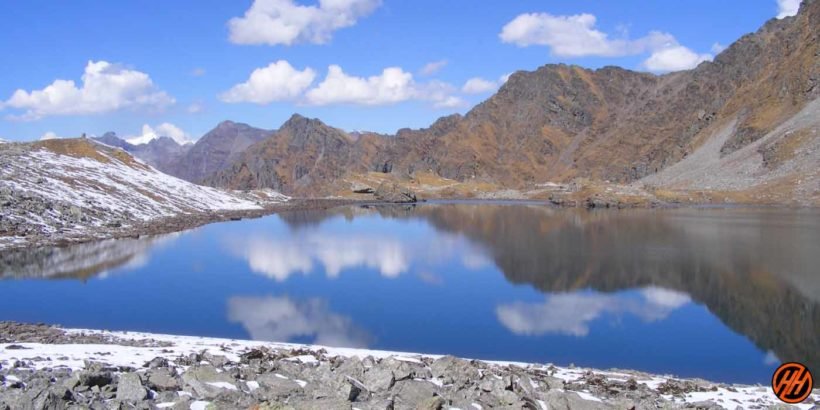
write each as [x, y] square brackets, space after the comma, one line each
[78, 187]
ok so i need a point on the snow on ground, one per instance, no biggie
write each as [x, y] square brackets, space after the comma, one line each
[74, 355]
[118, 187]
[90, 185]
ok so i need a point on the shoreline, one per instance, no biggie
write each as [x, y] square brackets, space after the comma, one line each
[171, 224]
[82, 366]
[183, 222]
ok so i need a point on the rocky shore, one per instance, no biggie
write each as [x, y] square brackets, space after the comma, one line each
[48, 367]
[28, 240]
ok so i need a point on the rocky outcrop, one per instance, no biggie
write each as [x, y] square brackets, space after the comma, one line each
[392, 192]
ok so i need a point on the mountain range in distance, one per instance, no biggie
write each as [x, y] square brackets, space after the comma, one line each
[742, 128]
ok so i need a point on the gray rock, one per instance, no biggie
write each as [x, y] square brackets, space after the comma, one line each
[322, 404]
[392, 192]
[412, 392]
[129, 388]
[200, 380]
[379, 379]
[273, 387]
[559, 400]
[161, 380]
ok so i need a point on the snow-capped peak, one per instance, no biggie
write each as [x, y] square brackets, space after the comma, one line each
[163, 130]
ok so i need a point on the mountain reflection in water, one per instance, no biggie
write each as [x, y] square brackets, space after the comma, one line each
[426, 278]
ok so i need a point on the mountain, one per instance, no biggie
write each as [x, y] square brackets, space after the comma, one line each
[216, 150]
[162, 153]
[78, 188]
[301, 157]
[745, 123]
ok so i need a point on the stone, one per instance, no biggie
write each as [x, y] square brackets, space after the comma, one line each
[206, 382]
[272, 386]
[129, 388]
[413, 391]
[161, 380]
[392, 192]
[559, 400]
[379, 379]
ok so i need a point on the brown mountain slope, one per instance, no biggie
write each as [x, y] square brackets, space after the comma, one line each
[560, 122]
[304, 156]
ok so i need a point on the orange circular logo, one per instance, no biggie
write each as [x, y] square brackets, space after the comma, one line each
[792, 382]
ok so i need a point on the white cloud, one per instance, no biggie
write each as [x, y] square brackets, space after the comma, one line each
[478, 85]
[572, 313]
[450, 102]
[717, 48]
[284, 22]
[278, 81]
[281, 319]
[786, 8]
[392, 86]
[105, 87]
[575, 36]
[674, 58]
[195, 107]
[433, 67]
[162, 130]
[50, 135]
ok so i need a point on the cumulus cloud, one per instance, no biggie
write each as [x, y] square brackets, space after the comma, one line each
[105, 87]
[478, 85]
[577, 36]
[49, 135]
[433, 67]
[280, 319]
[674, 58]
[165, 129]
[284, 22]
[786, 8]
[392, 86]
[572, 313]
[278, 81]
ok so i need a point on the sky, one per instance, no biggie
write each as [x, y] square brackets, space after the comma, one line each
[145, 68]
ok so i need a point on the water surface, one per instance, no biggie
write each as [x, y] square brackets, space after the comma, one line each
[723, 294]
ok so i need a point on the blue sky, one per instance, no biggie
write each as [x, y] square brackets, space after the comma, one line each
[181, 67]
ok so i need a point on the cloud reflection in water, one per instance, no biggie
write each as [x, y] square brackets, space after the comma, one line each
[571, 313]
[282, 319]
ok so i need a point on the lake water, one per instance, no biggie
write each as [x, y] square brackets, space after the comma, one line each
[723, 294]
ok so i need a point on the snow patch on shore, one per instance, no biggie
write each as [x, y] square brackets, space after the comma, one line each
[74, 355]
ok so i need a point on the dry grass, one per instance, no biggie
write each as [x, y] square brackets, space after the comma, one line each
[83, 148]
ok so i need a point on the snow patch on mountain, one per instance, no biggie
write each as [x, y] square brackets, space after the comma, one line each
[64, 186]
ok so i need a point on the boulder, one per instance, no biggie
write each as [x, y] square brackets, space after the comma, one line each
[130, 388]
[393, 192]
